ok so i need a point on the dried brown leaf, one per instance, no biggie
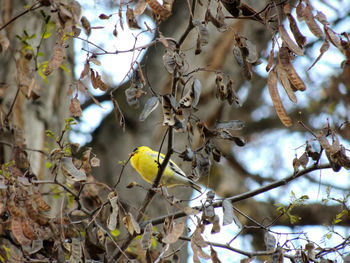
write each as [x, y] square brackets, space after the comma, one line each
[135, 224]
[323, 49]
[131, 20]
[210, 18]
[159, 10]
[55, 60]
[300, 10]
[95, 162]
[247, 70]
[94, 60]
[131, 224]
[176, 232]
[228, 212]
[13, 207]
[192, 97]
[249, 11]
[198, 252]
[28, 229]
[41, 203]
[304, 159]
[221, 89]
[113, 218]
[270, 242]
[284, 61]
[216, 225]
[104, 16]
[333, 37]
[311, 22]
[85, 71]
[118, 114]
[298, 36]
[168, 5]
[86, 25]
[283, 78]
[17, 231]
[71, 171]
[76, 251]
[96, 81]
[237, 53]
[132, 94]
[74, 107]
[276, 99]
[232, 96]
[252, 52]
[271, 58]
[321, 17]
[289, 42]
[146, 239]
[197, 237]
[168, 114]
[214, 255]
[140, 7]
[150, 105]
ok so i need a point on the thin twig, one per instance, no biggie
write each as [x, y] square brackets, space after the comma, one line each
[24, 148]
[32, 8]
[190, 25]
[13, 103]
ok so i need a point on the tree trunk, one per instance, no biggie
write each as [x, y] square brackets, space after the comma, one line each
[29, 106]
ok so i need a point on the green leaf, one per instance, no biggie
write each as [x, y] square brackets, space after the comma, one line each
[49, 133]
[48, 165]
[42, 67]
[69, 122]
[40, 54]
[46, 35]
[65, 68]
[28, 47]
[115, 232]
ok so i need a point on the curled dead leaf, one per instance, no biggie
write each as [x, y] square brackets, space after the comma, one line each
[283, 78]
[289, 42]
[311, 22]
[284, 61]
[298, 36]
[175, 233]
[55, 60]
[276, 99]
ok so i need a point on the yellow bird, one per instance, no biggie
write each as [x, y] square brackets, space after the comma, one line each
[144, 160]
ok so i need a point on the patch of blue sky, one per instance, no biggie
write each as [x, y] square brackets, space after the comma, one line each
[114, 69]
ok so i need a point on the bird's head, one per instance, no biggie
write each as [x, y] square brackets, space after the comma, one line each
[134, 156]
[139, 150]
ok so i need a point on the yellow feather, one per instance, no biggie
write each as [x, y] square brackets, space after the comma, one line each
[144, 160]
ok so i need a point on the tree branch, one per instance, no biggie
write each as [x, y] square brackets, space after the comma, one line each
[246, 195]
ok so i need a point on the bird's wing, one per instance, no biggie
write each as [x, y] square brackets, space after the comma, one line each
[176, 170]
[171, 164]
